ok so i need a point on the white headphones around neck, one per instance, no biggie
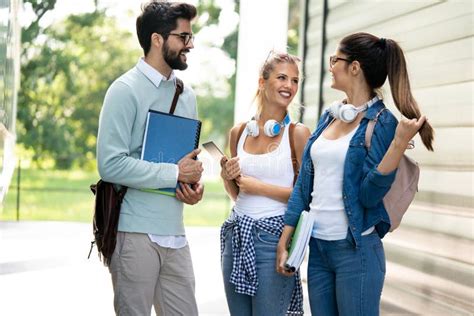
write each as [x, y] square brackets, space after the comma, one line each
[271, 128]
[348, 112]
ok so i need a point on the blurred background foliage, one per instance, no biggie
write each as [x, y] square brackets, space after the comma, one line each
[63, 84]
[65, 71]
[67, 67]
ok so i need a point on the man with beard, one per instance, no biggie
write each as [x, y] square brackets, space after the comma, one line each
[151, 264]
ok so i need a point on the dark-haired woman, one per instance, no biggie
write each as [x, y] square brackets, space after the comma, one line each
[344, 184]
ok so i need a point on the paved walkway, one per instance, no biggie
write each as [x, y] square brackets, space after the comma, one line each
[44, 271]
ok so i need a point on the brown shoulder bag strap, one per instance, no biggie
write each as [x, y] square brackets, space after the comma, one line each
[179, 90]
[294, 161]
[234, 145]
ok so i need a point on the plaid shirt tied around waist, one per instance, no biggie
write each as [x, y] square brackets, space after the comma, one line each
[244, 270]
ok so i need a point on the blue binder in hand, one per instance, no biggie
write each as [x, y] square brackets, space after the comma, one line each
[167, 139]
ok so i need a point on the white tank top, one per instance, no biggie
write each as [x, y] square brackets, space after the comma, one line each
[328, 158]
[273, 168]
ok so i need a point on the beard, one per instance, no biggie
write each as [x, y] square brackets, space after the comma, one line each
[173, 58]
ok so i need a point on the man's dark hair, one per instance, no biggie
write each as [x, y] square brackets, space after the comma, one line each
[161, 17]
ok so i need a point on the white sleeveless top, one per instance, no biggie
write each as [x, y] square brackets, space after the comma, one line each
[274, 168]
[328, 156]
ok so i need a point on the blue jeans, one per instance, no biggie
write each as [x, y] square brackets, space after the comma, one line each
[344, 280]
[274, 290]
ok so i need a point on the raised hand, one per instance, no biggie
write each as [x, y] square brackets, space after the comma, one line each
[407, 129]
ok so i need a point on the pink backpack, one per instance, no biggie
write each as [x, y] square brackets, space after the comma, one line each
[403, 190]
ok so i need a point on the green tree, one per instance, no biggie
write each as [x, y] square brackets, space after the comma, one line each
[31, 32]
[293, 26]
[63, 85]
[209, 14]
[217, 113]
[66, 69]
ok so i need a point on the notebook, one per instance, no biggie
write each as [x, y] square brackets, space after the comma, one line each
[167, 139]
[299, 241]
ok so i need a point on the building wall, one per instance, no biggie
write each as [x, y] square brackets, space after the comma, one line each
[9, 80]
[431, 255]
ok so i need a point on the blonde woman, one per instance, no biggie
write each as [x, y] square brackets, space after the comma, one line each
[259, 178]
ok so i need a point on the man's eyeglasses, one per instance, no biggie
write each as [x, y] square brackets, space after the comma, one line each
[185, 37]
[333, 60]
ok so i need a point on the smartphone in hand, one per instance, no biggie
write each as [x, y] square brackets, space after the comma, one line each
[213, 150]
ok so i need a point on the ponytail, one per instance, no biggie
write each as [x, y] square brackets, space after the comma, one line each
[401, 91]
[379, 58]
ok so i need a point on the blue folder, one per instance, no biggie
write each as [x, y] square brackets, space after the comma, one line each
[167, 139]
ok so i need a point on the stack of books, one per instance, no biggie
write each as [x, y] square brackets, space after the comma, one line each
[300, 240]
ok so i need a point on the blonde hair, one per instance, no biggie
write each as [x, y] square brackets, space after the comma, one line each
[267, 68]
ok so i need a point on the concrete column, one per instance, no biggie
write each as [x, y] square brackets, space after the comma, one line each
[263, 26]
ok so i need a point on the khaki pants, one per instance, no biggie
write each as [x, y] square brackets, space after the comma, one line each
[146, 274]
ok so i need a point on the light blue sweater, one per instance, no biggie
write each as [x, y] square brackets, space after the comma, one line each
[119, 143]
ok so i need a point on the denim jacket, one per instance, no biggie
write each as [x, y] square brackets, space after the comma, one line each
[363, 186]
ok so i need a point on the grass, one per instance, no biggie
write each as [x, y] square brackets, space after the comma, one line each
[60, 195]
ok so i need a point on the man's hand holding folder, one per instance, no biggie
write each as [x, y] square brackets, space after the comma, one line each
[190, 190]
[190, 169]
[190, 193]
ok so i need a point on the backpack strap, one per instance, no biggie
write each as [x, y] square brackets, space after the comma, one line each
[179, 90]
[294, 161]
[370, 129]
